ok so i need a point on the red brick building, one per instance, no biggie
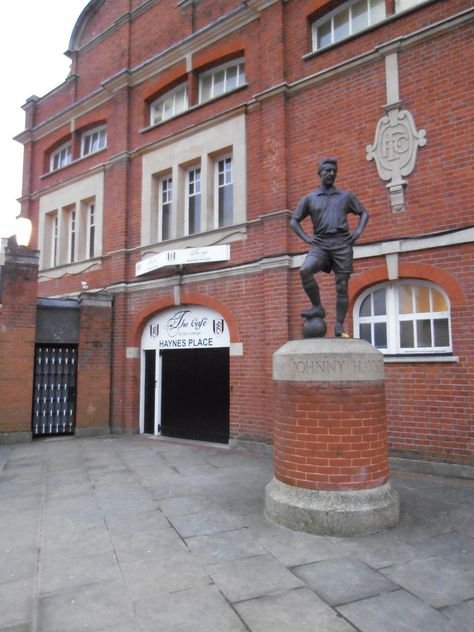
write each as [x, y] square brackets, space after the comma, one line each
[163, 173]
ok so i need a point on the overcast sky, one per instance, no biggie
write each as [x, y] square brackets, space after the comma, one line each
[33, 37]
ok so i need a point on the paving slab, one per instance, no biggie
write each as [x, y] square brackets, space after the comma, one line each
[158, 544]
[298, 609]
[71, 572]
[138, 521]
[293, 548]
[21, 627]
[147, 577]
[440, 581]
[17, 602]
[223, 547]
[17, 564]
[378, 550]
[201, 609]
[210, 520]
[462, 615]
[341, 580]
[73, 540]
[89, 608]
[184, 505]
[397, 611]
[252, 577]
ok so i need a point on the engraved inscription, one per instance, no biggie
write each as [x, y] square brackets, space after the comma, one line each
[367, 365]
[318, 367]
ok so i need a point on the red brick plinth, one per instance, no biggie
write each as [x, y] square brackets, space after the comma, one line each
[331, 470]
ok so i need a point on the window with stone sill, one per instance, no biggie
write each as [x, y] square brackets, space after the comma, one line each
[93, 140]
[221, 80]
[169, 105]
[346, 20]
[165, 207]
[61, 157]
[404, 317]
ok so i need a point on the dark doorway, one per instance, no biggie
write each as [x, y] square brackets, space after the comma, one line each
[54, 391]
[150, 390]
[195, 394]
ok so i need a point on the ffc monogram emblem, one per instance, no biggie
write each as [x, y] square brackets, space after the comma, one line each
[218, 326]
[154, 331]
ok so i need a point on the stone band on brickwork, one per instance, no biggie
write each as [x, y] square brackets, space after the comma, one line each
[334, 513]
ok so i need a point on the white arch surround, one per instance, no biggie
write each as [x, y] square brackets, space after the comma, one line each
[186, 327]
[183, 327]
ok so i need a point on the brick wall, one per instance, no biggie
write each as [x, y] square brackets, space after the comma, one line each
[19, 278]
[94, 365]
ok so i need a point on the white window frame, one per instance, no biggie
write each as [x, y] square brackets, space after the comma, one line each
[165, 198]
[329, 18]
[239, 64]
[218, 186]
[193, 192]
[53, 221]
[175, 158]
[54, 229]
[393, 318]
[72, 234]
[61, 157]
[159, 105]
[93, 140]
[91, 230]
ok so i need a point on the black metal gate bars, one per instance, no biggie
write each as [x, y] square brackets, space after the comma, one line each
[54, 393]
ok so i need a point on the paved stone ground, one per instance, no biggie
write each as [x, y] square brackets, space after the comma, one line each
[142, 535]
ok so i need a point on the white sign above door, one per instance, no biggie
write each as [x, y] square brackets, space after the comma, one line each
[186, 327]
[207, 254]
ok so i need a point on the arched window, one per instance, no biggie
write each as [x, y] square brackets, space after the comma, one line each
[404, 317]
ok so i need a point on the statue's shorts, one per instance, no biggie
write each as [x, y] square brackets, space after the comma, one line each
[330, 254]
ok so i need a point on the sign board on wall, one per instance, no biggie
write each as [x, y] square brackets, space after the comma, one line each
[183, 256]
[186, 327]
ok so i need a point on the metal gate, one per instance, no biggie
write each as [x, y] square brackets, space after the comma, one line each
[54, 392]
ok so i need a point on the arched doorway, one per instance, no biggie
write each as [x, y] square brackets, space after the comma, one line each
[185, 374]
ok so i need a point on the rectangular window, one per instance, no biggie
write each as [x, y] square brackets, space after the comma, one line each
[221, 80]
[61, 157]
[164, 208]
[72, 235]
[93, 140]
[91, 231]
[193, 201]
[54, 239]
[225, 192]
[346, 20]
[169, 105]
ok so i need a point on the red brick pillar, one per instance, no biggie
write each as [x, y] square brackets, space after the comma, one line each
[330, 439]
[94, 365]
[19, 288]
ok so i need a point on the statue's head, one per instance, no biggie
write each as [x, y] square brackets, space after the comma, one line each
[327, 162]
[327, 171]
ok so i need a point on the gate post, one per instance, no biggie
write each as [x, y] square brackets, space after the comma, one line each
[94, 364]
[18, 294]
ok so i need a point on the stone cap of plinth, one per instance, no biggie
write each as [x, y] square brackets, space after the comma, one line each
[328, 360]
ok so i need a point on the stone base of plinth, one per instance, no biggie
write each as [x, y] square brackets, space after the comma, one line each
[336, 513]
